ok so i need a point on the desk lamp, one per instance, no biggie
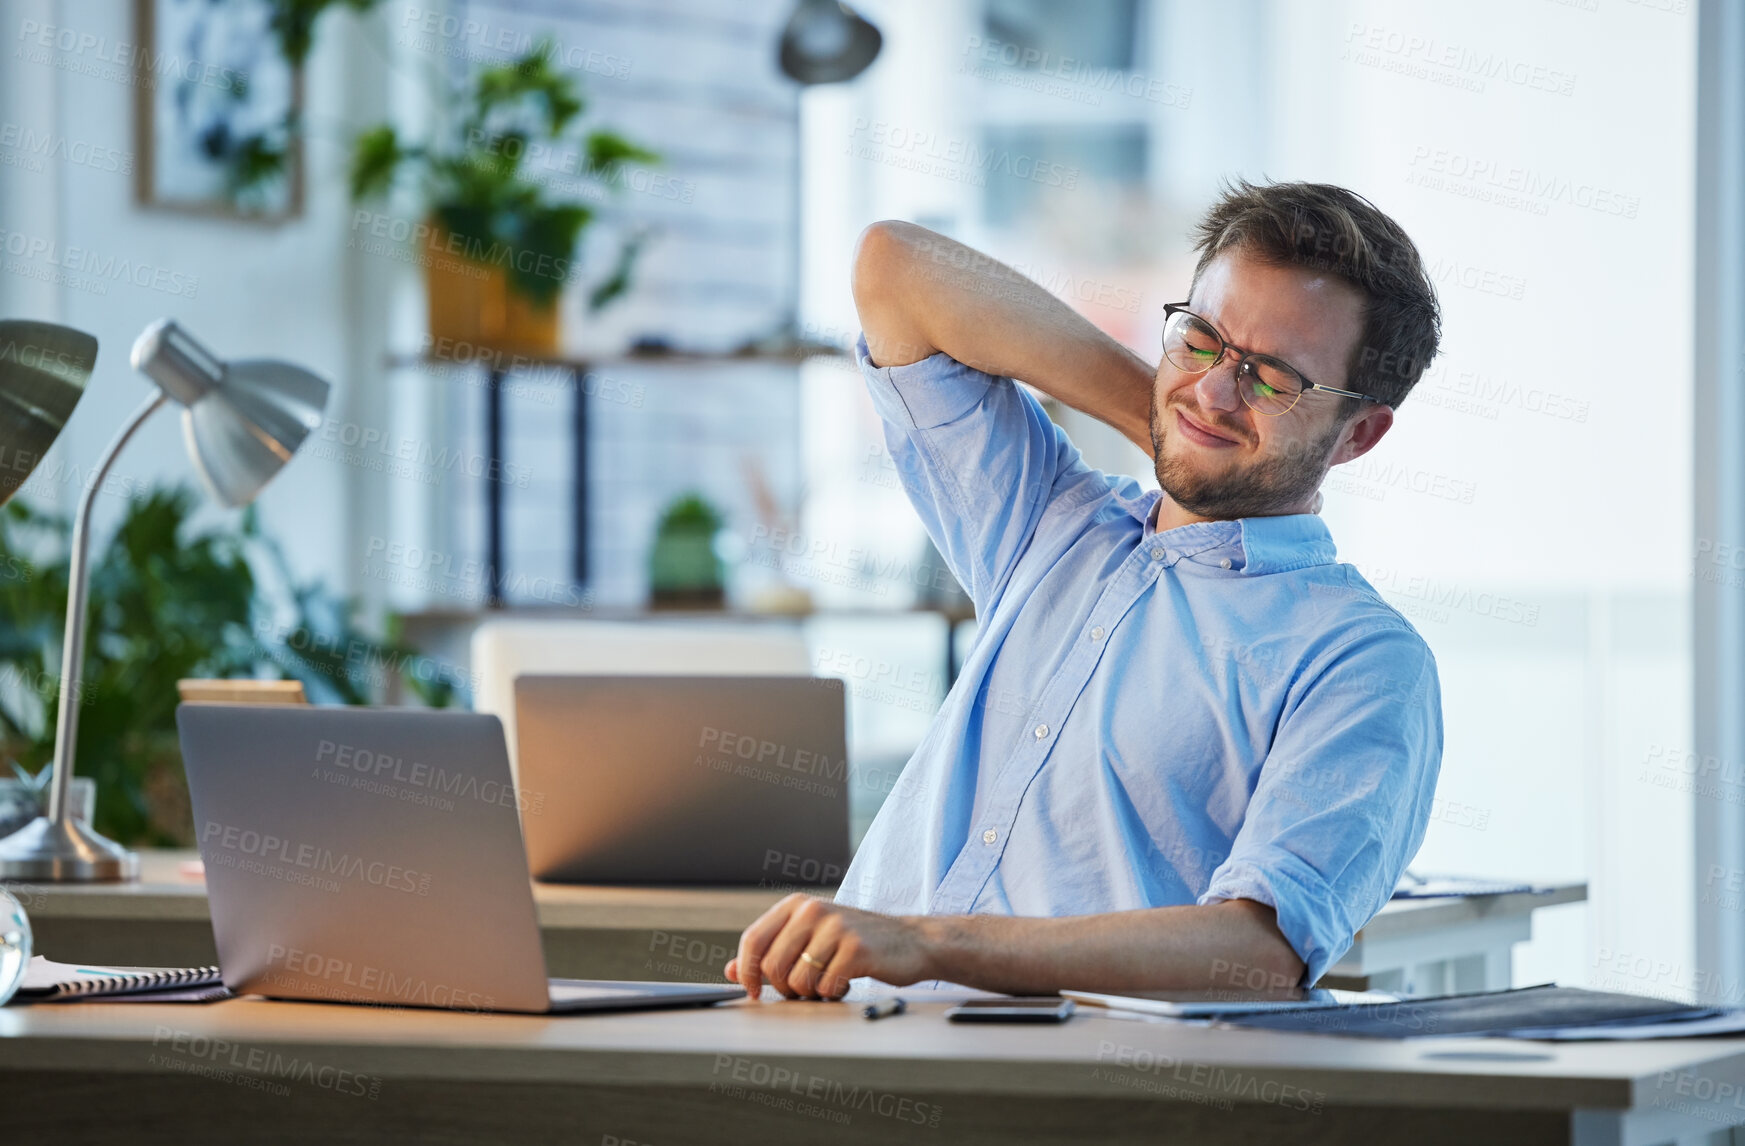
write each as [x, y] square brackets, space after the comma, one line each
[242, 422]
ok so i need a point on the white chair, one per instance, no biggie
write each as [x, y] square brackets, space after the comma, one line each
[503, 650]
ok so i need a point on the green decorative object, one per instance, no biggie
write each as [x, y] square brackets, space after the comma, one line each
[167, 601]
[684, 571]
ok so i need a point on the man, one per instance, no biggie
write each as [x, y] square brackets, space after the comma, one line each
[1188, 749]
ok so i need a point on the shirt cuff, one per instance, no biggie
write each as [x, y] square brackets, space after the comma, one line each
[921, 395]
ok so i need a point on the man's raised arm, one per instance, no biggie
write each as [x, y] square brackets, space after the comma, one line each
[919, 292]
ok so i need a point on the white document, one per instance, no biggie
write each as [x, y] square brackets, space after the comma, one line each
[1198, 1005]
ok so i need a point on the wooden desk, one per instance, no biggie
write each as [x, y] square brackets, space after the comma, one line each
[688, 934]
[257, 1071]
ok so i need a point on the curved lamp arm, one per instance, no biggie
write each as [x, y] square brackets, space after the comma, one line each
[73, 645]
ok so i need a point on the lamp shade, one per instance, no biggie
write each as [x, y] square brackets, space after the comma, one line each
[243, 420]
[826, 42]
[43, 372]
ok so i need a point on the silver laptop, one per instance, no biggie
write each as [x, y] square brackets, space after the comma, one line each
[684, 779]
[374, 856]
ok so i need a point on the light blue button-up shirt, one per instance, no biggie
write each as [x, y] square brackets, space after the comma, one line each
[1145, 719]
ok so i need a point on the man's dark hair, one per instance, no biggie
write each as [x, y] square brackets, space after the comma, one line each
[1330, 229]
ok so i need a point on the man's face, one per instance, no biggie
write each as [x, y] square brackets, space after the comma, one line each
[1219, 460]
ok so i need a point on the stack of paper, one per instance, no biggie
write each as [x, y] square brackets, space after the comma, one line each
[1445, 886]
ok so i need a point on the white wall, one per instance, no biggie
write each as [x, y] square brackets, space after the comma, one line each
[1553, 204]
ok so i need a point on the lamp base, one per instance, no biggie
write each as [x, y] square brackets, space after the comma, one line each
[67, 852]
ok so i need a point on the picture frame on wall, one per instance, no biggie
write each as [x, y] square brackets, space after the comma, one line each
[217, 111]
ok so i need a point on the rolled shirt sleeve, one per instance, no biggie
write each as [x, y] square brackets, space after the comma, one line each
[978, 458]
[1343, 799]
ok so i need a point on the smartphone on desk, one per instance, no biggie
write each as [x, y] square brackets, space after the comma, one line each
[1048, 1010]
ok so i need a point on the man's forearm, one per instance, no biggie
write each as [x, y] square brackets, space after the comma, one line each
[919, 292]
[1233, 945]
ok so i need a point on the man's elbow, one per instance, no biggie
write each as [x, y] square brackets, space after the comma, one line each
[1283, 965]
[885, 293]
[1267, 957]
[1265, 963]
[880, 256]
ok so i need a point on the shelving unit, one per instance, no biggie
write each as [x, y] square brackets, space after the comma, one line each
[500, 371]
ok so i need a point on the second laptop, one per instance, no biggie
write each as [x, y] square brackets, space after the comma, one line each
[684, 779]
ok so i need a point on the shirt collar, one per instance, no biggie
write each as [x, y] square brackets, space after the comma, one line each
[1252, 544]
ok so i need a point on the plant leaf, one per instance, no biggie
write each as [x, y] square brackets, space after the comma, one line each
[375, 157]
[544, 250]
[618, 282]
[607, 151]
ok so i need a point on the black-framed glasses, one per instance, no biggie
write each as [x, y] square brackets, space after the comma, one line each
[1266, 384]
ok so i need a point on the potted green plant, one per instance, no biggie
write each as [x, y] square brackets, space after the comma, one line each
[167, 600]
[684, 570]
[499, 244]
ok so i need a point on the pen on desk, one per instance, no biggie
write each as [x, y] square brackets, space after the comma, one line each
[878, 1010]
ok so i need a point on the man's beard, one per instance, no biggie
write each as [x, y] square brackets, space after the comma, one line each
[1268, 487]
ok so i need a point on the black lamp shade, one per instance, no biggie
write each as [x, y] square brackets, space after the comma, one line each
[827, 42]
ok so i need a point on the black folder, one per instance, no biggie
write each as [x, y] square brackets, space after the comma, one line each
[1486, 1013]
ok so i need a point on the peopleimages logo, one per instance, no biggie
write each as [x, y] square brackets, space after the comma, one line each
[1079, 80]
[1204, 1081]
[769, 752]
[366, 224]
[432, 458]
[94, 269]
[253, 1068]
[797, 867]
[34, 146]
[814, 1095]
[798, 769]
[52, 360]
[282, 859]
[441, 573]
[960, 159]
[384, 766]
[346, 981]
[1459, 65]
[120, 60]
[1536, 186]
[498, 40]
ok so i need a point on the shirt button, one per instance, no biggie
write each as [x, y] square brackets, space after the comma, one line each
[1157, 555]
[990, 836]
[1097, 633]
[1225, 564]
[1041, 731]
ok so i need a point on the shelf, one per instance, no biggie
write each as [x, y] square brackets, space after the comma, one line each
[501, 360]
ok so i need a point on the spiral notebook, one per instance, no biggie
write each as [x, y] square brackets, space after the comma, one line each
[44, 980]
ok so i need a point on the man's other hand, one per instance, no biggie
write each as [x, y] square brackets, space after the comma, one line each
[843, 943]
